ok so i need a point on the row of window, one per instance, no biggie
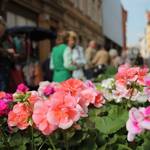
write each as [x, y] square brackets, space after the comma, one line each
[90, 8]
[17, 20]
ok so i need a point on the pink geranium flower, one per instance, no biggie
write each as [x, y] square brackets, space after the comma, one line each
[99, 100]
[22, 88]
[141, 75]
[121, 76]
[133, 123]
[49, 90]
[127, 74]
[19, 116]
[5, 100]
[64, 110]
[90, 96]
[72, 86]
[3, 108]
[46, 88]
[40, 117]
[147, 92]
[126, 79]
[139, 120]
[145, 123]
[147, 88]
[34, 97]
[147, 81]
[2, 94]
[8, 98]
[87, 96]
[89, 84]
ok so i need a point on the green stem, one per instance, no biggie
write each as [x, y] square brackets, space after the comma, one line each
[2, 136]
[66, 141]
[41, 145]
[51, 143]
[4, 139]
[133, 88]
[131, 94]
[32, 139]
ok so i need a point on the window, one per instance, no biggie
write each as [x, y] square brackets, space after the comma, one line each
[20, 21]
[31, 23]
[10, 19]
[17, 20]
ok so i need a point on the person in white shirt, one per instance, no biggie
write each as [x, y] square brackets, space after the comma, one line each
[76, 55]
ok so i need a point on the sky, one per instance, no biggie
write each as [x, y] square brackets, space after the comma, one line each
[136, 19]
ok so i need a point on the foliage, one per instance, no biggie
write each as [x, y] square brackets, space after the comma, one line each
[100, 126]
[110, 72]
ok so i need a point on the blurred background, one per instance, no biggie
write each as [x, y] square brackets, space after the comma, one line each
[122, 28]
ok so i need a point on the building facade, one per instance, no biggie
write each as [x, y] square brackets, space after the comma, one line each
[124, 28]
[82, 16]
[147, 34]
[145, 40]
[143, 50]
[114, 19]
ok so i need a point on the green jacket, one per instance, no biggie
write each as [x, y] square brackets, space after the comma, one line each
[60, 63]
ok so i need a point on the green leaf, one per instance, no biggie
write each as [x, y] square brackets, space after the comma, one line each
[17, 140]
[78, 137]
[146, 145]
[109, 143]
[22, 97]
[69, 133]
[22, 147]
[38, 141]
[88, 144]
[114, 121]
[123, 147]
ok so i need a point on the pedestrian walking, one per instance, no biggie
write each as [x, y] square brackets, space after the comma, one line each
[115, 59]
[57, 61]
[101, 57]
[78, 57]
[90, 53]
[6, 59]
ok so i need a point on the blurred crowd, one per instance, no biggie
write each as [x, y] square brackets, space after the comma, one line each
[69, 59]
[19, 61]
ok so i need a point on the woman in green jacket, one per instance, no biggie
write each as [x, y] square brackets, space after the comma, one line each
[60, 62]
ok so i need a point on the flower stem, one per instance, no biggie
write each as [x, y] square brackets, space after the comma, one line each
[132, 91]
[51, 143]
[66, 141]
[4, 139]
[32, 139]
[2, 136]
[41, 145]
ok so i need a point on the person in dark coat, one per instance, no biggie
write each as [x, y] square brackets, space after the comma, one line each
[6, 57]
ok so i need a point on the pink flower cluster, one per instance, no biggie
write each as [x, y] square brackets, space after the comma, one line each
[5, 100]
[127, 77]
[139, 120]
[46, 88]
[22, 111]
[22, 88]
[55, 105]
[66, 105]
[147, 87]
[19, 116]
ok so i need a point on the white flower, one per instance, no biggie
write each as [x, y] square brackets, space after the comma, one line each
[108, 95]
[117, 96]
[140, 97]
[108, 83]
